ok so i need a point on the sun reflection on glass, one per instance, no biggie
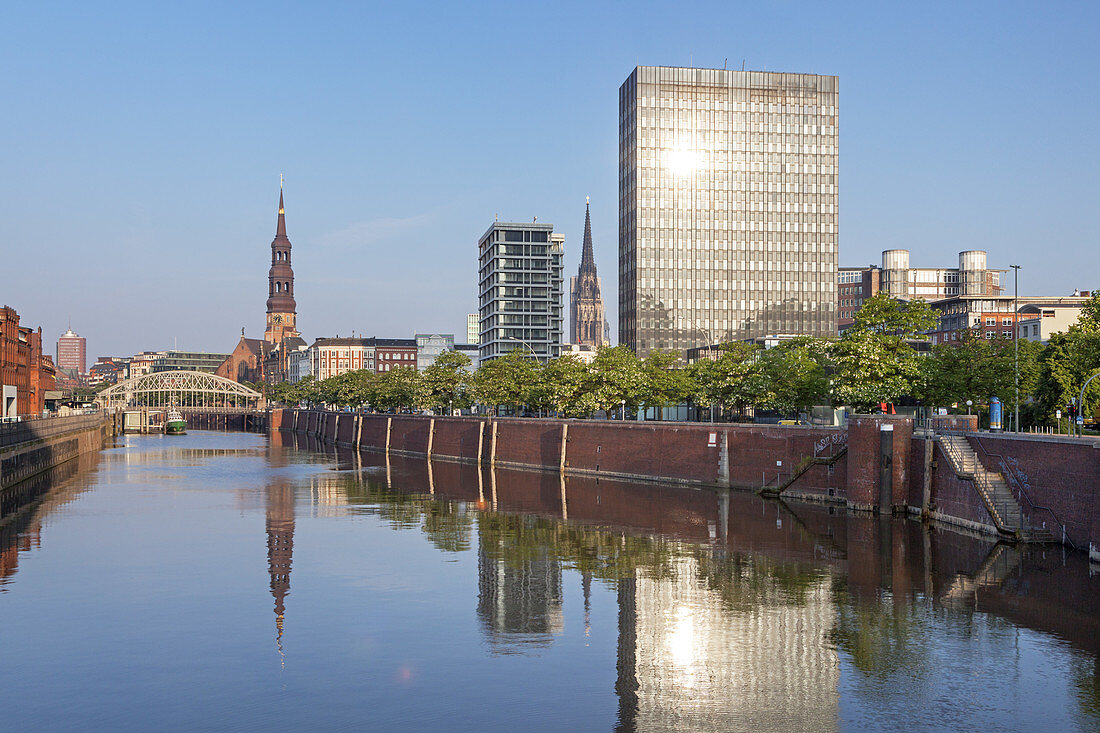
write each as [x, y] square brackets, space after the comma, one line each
[682, 161]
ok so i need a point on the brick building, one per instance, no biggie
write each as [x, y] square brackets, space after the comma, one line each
[26, 374]
[330, 357]
[248, 362]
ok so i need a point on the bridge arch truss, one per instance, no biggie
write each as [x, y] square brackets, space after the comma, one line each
[180, 388]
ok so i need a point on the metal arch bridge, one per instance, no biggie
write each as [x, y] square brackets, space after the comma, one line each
[181, 388]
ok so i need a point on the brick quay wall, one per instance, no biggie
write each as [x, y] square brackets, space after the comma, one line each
[34, 447]
[1059, 478]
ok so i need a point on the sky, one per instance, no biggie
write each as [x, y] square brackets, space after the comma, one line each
[141, 146]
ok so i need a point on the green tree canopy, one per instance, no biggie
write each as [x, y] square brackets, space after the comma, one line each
[617, 378]
[447, 380]
[507, 380]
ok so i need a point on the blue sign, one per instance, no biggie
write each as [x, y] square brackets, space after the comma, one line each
[994, 414]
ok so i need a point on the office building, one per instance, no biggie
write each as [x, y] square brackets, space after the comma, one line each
[193, 361]
[586, 316]
[72, 352]
[972, 278]
[473, 328]
[992, 316]
[520, 289]
[1039, 323]
[727, 206]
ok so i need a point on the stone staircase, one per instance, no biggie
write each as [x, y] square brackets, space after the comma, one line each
[991, 486]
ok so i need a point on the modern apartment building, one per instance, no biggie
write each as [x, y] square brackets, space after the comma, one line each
[520, 290]
[727, 206]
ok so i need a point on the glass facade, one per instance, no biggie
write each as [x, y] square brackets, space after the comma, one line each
[728, 221]
[520, 288]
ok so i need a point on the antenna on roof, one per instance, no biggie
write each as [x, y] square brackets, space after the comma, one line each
[724, 62]
[742, 64]
[535, 219]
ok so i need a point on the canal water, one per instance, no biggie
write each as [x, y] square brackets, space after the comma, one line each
[234, 582]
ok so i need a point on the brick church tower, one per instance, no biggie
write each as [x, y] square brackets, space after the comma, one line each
[585, 303]
[280, 286]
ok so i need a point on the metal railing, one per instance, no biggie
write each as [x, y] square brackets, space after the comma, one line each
[1009, 471]
[980, 481]
[40, 428]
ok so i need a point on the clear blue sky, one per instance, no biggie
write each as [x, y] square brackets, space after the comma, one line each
[142, 145]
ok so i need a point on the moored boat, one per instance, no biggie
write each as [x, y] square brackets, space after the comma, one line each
[175, 424]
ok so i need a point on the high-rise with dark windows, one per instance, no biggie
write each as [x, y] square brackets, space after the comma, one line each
[727, 206]
[520, 289]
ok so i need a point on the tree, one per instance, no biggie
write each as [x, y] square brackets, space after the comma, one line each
[447, 380]
[874, 361]
[506, 380]
[1068, 361]
[401, 387]
[794, 375]
[1089, 320]
[901, 319]
[666, 383]
[731, 380]
[616, 378]
[565, 387]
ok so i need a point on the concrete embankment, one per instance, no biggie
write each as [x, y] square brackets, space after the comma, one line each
[876, 463]
[36, 446]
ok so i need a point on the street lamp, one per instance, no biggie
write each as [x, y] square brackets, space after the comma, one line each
[1081, 404]
[968, 404]
[1016, 337]
[710, 338]
[513, 338]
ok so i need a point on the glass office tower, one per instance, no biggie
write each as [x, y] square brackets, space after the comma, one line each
[727, 206]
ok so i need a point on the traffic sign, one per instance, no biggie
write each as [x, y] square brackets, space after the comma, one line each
[1080, 419]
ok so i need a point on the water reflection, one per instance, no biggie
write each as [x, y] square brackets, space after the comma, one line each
[646, 607]
[734, 613]
[27, 506]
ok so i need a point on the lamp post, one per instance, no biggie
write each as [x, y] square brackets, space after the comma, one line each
[1081, 404]
[968, 404]
[533, 353]
[710, 337]
[1016, 337]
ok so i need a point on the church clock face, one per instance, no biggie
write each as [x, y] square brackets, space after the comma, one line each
[276, 319]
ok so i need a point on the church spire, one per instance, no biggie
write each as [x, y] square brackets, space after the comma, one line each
[280, 230]
[588, 260]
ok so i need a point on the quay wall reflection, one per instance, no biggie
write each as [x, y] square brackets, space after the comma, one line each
[721, 586]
